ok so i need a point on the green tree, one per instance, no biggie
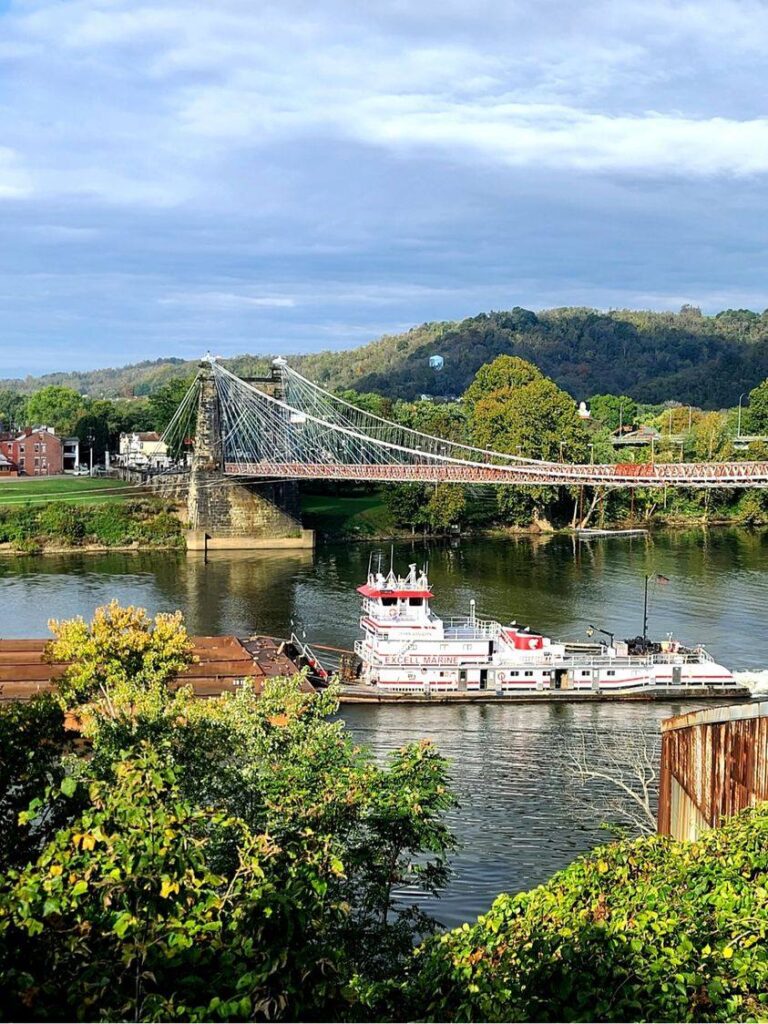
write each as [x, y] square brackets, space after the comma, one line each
[123, 659]
[535, 420]
[232, 859]
[56, 407]
[711, 438]
[446, 507]
[406, 504]
[503, 375]
[131, 912]
[165, 400]
[613, 411]
[757, 412]
[11, 409]
[32, 740]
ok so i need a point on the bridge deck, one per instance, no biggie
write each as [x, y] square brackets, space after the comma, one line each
[660, 474]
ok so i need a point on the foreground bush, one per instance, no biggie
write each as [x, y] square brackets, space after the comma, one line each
[229, 859]
[650, 929]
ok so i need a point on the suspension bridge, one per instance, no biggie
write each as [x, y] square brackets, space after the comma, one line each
[262, 435]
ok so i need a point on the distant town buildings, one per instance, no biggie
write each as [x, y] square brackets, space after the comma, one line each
[37, 451]
[147, 450]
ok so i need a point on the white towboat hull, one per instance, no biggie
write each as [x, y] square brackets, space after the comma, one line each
[406, 648]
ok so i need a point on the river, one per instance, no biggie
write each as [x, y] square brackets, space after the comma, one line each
[520, 818]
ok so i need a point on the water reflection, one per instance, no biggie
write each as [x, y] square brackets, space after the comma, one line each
[718, 590]
[516, 823]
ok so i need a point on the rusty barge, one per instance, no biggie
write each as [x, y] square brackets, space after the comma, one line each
[221, 664]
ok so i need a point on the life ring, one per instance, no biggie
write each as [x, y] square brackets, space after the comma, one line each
[500, 677]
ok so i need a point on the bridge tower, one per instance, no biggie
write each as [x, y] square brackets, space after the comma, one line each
[225, 512]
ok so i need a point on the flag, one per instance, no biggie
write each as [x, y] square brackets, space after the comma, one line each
[661, 579]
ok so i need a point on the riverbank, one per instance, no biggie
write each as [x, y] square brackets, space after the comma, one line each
[57, 527]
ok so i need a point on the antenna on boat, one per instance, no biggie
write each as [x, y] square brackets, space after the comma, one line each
[370, 559]
[379, 563]
[392, 558]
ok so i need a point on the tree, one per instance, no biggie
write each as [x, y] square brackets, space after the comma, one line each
[536, 420]
[616, 778]
[613, 411]
[122, 659]
[757, 412]
[231, 858]
[711, 438]
[446, 506]
[165, 400]
[502, 375]
[406, 504]
[32, 740]
[11, 409]
[131, 912]
[56, 407]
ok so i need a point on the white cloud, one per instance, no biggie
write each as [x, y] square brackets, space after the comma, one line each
[14, 181]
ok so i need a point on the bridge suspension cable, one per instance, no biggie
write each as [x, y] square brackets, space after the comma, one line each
[311, 434]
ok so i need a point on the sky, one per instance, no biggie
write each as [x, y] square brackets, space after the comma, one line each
[247, 176]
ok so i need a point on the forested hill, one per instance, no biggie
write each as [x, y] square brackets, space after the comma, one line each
[702, 360]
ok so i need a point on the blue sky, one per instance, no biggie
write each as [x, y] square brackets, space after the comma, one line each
[252, 176]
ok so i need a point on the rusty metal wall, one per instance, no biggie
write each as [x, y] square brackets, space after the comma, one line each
[713, 764]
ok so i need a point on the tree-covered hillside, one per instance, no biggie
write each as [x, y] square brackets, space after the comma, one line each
[653, 357]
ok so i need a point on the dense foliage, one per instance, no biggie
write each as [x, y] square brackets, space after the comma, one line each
[652, 357]
[231, 859]
[650, 929]
[30, 528]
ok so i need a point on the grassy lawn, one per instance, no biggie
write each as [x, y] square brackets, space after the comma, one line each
[337, 516]
[64, 488]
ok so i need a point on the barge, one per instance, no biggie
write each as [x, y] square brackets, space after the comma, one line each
[408, 652]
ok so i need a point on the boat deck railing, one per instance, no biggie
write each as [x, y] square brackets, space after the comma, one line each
[545, 659]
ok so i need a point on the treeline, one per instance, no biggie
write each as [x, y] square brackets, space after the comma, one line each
[510, 406]
[706, 361]
[97, 422]
[244, 859]
[652, 357]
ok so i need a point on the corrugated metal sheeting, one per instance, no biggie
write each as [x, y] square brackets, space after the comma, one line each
[713, 764]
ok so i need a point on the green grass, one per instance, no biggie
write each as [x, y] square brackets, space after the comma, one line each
[64, 488]
[356, 516]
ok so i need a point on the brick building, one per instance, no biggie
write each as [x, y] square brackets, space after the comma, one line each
[36, 451]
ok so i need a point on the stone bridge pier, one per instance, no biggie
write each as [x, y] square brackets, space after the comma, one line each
[226, 513]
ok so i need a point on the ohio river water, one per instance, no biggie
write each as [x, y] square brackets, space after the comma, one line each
[519, 819]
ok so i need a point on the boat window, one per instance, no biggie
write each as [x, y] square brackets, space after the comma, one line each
[415, 602]
[610, 672]
[529, 673]
[585, 672]
[388, 602]
[514, 673]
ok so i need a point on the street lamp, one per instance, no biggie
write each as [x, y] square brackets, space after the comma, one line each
[591, 454]
[91, 438]
[738, 428]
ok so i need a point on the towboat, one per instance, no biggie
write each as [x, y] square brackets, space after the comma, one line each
[407, 648]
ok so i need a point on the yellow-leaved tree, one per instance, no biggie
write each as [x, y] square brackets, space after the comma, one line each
[121, 662]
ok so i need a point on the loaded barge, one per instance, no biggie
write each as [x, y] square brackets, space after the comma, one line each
[221, 664]
[408, 653]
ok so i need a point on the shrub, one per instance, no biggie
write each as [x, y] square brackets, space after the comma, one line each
[650, 929]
